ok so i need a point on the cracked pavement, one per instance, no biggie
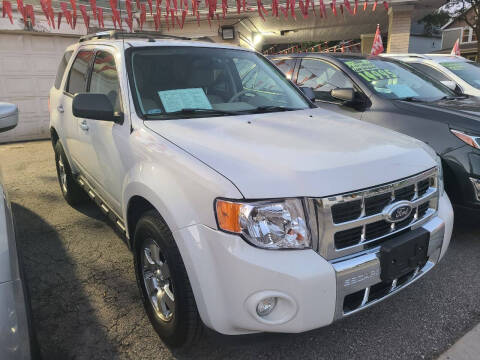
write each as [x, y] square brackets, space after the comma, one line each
[86, 305]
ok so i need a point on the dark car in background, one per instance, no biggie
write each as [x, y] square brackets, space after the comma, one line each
[389, 93]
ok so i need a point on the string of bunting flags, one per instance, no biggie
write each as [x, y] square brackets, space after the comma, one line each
[174, 12]
[321, 47]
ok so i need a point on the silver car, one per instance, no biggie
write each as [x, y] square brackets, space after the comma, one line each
[15, 329]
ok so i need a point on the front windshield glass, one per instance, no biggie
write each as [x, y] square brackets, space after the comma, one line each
[394, 81]
[466, 70]
[200, 82]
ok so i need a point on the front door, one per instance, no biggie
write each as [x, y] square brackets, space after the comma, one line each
[108, 140]
[323, 77]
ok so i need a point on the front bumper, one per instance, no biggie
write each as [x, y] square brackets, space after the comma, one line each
[229, 277]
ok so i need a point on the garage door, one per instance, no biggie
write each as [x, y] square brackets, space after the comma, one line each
[28, 65]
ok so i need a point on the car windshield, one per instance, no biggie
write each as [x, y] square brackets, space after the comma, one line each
[173, 82]
[466, 70]
[394, 81]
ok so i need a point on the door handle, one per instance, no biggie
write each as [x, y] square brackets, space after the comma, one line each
[60, 109]
[84, 125]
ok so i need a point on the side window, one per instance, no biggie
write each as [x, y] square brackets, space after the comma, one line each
[322, 78]
[253, 79]
[61, 68]
[77, 80]
[104, 79]
[433, 73]
[286, 66]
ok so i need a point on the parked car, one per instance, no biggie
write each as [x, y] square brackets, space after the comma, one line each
[211, 163]
[16, 337]
[453, 71]
[389, 93]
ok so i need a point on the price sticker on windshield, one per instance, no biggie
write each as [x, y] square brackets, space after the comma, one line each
[369, 71]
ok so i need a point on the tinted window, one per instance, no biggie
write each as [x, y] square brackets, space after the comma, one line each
[322, 78]
[393, 80]
[77, 79]
[286, 65]
[433, 73]
[104, 79]
[61, 68]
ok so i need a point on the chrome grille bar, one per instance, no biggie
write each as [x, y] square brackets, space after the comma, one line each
[327, 227]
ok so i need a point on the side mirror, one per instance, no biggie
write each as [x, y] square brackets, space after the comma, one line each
[450, 84]
[94, 106]
[308, 92]
[347, 95]
[8, 116]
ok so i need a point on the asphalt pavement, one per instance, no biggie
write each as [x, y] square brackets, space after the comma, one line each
[86, 304]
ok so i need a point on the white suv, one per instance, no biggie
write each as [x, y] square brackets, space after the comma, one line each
[454, 71]
[247, 208]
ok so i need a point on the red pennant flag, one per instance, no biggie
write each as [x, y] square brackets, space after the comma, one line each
[43, 4]
[343, 48]
[377, 47]
[66, 13]
[101, 25]
[130, 23]
[341, 9]
[224, 8]
[21, 10]
[355, 8]
[143, 15]
[86, 18]
[333, 5]
[150, 6]
[7, 10]
[375, 5]
[385, 4]
[456, 48]
[261, 9]
[51, 15]
[184, 15]
[284, 11]
[155, 22]
[29, 13]
[93, 6]
[59, 20]
[292, 8]
[365, 4]
[74, 13]
[323, 9]
[347, 6]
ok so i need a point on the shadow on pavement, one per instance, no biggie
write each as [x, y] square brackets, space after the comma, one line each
[60, 307]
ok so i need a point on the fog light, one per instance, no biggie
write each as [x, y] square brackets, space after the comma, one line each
[266, 306]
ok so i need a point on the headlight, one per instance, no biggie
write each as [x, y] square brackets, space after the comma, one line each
[440, 175]
[266, 224]
[471, 140]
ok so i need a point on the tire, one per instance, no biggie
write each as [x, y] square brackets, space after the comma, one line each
[71, 190]
[163, 282]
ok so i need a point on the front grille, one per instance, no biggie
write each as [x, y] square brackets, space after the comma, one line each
[348, 223]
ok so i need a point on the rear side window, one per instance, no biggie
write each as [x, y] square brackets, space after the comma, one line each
[433, 73]
[61, 68]
[77, 80]
[105, 79]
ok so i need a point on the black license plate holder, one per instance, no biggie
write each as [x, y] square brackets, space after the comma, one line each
[403, 254]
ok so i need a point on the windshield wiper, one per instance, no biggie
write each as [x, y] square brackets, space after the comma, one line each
[411, 99]
[190, 111]
[266, 109]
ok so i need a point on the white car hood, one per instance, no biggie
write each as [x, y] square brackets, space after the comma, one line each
[312, 152]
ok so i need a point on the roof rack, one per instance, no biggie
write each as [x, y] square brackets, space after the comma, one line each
[115, 34]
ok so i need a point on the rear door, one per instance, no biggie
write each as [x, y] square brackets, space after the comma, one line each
[77, 137]
[323, 77]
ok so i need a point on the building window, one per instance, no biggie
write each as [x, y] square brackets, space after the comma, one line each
[466, 35]
[474, 36]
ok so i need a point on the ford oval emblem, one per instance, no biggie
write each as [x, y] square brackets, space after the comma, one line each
[398, 211]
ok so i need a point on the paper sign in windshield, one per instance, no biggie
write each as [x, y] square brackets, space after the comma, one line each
[179, 99]
[369, 71]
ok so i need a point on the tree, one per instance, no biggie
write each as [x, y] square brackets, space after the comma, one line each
[434, 21]
[467, 11]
